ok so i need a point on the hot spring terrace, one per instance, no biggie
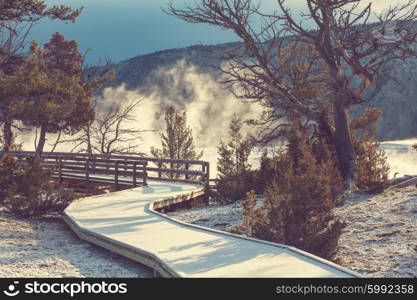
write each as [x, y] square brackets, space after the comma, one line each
[127, 222]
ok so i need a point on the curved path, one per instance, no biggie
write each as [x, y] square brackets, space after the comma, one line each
[125, 222]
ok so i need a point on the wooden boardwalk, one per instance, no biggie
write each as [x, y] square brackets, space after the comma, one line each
[126, 223]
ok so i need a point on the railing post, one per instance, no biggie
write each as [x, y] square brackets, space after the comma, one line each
[208, 174]
[87, 174]
[87, 169]
[187, 167]
[160, 167]
[60, 169]
[116, 175]
[203, 170]
[134, 174]
[92, 165]
[207, 193]
[145, 173]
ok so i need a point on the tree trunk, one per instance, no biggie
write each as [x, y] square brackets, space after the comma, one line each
[89, 149]
[7, 136]
[41, 143]
[89, 146]
[344, 145]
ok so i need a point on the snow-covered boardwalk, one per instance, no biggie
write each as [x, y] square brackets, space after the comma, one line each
[125, 222]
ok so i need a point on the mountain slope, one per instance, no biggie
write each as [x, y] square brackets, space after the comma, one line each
[160, 72]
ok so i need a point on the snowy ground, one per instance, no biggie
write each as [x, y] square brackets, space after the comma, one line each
[47, 248]
[222, 217]
[379, 240]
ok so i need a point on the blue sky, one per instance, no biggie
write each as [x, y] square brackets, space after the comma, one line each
[121, 29]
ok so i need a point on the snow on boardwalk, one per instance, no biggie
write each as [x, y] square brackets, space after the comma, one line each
[125, 222]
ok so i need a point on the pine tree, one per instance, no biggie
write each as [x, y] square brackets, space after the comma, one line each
[29, 190]
[234, 171]
[177, 140]
[50, 92]
[14, 13]
[34, 10]
[373, 169]
[298, 207]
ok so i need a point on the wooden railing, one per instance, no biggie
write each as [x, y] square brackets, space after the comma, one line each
[122, 169]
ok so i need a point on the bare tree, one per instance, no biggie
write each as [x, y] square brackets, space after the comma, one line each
[111, 132]
[97, 75]
[13, 40]
[345, 42]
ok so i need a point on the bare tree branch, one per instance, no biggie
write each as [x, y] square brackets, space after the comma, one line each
[343, 55]
[111, 132]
